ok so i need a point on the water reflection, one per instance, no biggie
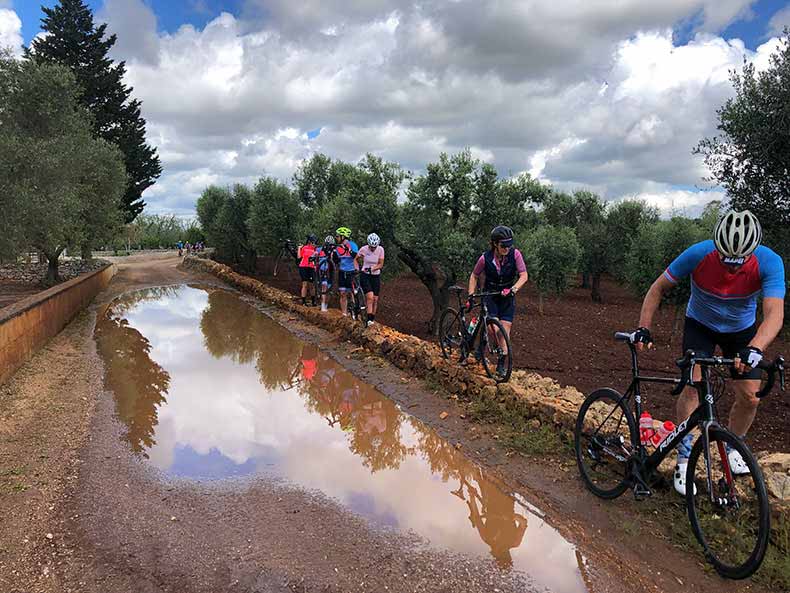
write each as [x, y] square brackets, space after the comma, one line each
[240, 395]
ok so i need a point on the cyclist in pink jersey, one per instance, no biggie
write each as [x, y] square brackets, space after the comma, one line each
[371, 258]
[504, 271]
[307, 268]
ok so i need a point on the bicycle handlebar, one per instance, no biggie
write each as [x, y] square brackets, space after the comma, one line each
[686, 364]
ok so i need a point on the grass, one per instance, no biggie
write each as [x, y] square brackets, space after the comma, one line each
[540, 441]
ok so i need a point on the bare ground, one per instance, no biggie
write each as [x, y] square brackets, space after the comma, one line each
[117, 527]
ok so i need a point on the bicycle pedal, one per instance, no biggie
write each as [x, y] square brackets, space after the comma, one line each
[642, 492]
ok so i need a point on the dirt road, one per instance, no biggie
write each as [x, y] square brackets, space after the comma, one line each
[80, 512]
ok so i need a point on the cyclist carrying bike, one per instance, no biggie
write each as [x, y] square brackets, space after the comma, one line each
[727, 275]
[346, 254]
[372, 258]
[504, 271]
[325, 269]
[307, 267]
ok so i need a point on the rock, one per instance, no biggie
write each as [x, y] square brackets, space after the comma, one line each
[443, 415]
[534, 423]
[776, 469]
[50, 536]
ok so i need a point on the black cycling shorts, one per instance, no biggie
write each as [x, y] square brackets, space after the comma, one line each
[502, 307]
[703, 340]
[344, 281]
[370, 283]
[307, 274]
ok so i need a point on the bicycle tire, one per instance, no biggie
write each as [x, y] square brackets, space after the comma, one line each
[277, 263]
[451, 333]
[361, 306]
[700, 524]
[593, 444]
[486, 349]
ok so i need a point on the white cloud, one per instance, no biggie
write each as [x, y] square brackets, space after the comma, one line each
[134, 23]
[779, 21]
[10, 30]
[583, 93]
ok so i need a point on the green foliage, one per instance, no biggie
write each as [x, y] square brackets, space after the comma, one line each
[710, 216]
[61, 186]
[155, 231]
[552, 255]
[232, 233]
[750, 155]
[208, 207]
[623, 221]
[75, 42]
[654, 248]
[275, 214]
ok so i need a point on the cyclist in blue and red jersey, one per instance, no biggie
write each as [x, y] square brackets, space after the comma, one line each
[325, 269]
[727, 275]
[346, 254]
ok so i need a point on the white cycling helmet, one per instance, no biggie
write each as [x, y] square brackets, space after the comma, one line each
[329, 240]
[374, 240]
[737, 235]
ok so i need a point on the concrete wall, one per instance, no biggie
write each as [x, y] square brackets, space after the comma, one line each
[26, 325]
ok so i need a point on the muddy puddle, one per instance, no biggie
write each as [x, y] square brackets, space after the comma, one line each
[209, 388]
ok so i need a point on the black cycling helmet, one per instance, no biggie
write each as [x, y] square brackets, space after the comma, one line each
[501, 233]
[311, 239]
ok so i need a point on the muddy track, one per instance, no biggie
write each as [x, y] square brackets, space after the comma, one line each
[115, 526]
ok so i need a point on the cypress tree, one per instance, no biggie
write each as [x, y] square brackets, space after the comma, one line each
[73, 39]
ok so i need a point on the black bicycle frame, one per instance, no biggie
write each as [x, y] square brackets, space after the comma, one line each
[703, 415]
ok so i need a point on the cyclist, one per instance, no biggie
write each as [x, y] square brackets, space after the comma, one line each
[180, 247]
[372, 258]
[346, 255]
[505, 272]
[325, 269]
[307, 267]
[727, 275]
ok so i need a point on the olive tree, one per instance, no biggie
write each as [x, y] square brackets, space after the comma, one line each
[552, 255]
[63, 186]
[448, 215]
[275, 214]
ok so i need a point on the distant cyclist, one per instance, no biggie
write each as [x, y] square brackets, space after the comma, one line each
[504, 272]
[727, 275]
[307, 268]
[325, 269]
[372, 258]
[346, 254]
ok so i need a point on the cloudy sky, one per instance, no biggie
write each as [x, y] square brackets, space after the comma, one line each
[610, 95]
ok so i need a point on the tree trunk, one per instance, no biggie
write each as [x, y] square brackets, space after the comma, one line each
[596, 288]
[52, 277]
[86, 252]
[585, 280]
[435, 279]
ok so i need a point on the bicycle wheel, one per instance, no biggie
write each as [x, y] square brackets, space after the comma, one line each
[731, 518]
[361, 307]
[603, 440]
[497, 361]
[451, 333]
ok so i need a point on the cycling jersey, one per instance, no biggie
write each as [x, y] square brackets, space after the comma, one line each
[371, 258]
[723, 300]
[500, 275]
[346, 253]
[305, 253]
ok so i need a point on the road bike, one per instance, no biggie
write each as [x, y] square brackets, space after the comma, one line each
[459, 338]
[288, 252]
[729, 517]
[357, 303]
[324, 270]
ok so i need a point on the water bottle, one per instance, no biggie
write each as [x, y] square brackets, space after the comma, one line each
[646, 428]
[664, 430]
[472, 325]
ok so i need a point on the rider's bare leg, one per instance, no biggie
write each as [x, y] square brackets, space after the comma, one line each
[744, 408]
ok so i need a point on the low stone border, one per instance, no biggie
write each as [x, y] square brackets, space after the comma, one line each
[528, 394]
[27, 324]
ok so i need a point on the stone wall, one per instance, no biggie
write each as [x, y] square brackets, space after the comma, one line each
[26, 325]
[528, 394]
[34, 273]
